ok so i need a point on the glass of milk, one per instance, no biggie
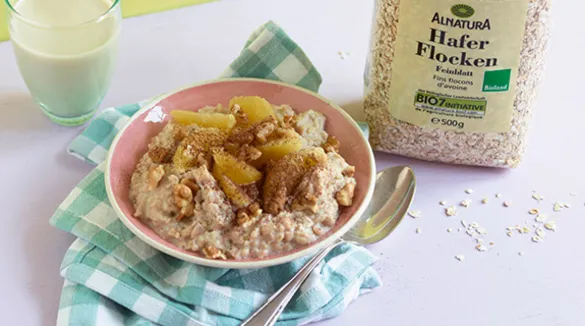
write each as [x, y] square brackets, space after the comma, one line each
[66, 52]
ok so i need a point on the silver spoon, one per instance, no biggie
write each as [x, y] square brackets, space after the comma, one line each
[393, 193]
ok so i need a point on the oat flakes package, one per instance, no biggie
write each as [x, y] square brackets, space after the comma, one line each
[454, 81]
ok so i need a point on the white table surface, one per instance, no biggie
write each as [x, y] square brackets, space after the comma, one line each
[423, 283]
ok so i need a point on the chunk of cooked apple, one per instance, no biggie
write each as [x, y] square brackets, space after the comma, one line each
[255, 107]
[233, 192]
[193, 149]
[205, 120]
[277, 149]
[238, 171]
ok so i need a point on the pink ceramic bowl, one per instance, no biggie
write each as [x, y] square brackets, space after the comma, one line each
[131, 143]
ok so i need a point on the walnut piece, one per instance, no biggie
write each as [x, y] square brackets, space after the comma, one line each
[241, 116]
[331, 145]
[255, 209]
[307, 202]
[277, 201]
[191, 184]
[203, 159]
[348, 171]
[248, 153]
[235, 109]
[249, 215]
[264, 129]
[288, 133]
[155, 174]
[344, 196]
[214, 253]
[184, 200]
[289, 121]
[244, 219]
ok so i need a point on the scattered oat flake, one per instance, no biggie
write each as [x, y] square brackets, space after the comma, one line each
[540, 218]
[552, 226]
[414, 214]
[449, 230]
[464, 223]
[481, 231]
[533, 211]
[492, 243]
[536, 239]
[566, 205]
[498, 195]
[465, 203]
[451, 211]
[469, 232]
[524, 230]
[537, 197]
[507, 204]
[540, 232]
[460, 257]
[478, 240]
[468, 191]
[557, 207]
[509, 233]
[474, 224]
[418, 230]
[481, 248]
[484, 201]
[343, 55]
[443, 203]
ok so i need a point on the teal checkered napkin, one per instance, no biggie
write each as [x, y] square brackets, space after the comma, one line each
[113, 278]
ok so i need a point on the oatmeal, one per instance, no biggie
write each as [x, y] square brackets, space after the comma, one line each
[247, 181]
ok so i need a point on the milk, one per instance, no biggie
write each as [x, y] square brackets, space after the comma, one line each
[66, 69]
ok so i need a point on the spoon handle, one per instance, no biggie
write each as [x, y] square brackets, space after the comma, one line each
[268, 313]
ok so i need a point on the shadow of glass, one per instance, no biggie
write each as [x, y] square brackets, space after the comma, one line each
[19, 112]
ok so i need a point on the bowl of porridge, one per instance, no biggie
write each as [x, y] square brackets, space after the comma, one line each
[240, 173]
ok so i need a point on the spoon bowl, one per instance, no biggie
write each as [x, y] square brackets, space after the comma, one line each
[393, 194]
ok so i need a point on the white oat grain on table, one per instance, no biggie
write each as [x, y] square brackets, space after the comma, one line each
[435, 277]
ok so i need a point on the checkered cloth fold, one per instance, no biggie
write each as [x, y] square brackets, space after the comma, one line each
[113, 278]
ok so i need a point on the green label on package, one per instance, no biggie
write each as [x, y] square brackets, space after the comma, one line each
[455, 64]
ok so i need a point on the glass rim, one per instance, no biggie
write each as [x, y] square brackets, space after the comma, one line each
[97, 19]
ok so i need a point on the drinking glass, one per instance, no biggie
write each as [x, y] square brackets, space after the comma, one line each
[66, 52]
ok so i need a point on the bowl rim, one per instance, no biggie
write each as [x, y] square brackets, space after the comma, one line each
[235, 264]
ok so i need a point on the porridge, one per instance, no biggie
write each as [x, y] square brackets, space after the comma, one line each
[247, 181]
